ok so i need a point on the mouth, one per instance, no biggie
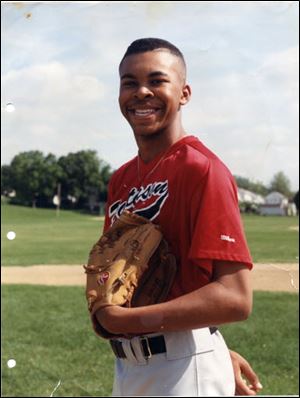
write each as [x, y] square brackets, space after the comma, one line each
[143, 113]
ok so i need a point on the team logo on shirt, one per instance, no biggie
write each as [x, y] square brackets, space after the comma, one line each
[153, 196]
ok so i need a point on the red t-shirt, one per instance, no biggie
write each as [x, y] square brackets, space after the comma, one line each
[192, 195]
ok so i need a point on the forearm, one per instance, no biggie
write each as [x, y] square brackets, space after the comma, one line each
[214, 304]
[211, 305]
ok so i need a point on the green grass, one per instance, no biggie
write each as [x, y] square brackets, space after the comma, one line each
[42, 237]
[272, 239]
[48, 332]
[269, 340]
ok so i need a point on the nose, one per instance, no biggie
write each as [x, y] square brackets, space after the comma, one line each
[143, 92]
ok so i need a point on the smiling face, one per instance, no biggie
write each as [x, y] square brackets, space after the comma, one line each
[152, 90]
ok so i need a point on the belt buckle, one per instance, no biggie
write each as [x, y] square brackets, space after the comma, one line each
[149, 353]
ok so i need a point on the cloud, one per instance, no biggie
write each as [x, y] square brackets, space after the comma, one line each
[53, 107]
[51, 83]
[250, 118]
[61, 73]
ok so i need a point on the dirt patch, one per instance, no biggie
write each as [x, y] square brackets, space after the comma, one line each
[276, 277]
[268, 277]
[57, 275]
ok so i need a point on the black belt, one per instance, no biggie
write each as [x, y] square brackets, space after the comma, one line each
[150, 345]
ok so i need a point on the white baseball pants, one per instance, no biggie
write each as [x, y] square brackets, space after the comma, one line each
[196, 363]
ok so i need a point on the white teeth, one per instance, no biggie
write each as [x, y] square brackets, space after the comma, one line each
[144, 112]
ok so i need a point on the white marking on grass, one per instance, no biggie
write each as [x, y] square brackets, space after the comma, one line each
[55, 388]
[11, 363]
[11, 235]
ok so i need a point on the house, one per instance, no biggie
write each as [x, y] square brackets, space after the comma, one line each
[249, 201]
[276, 204]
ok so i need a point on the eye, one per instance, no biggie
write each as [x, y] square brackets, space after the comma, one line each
[129, 83]
[157, 82]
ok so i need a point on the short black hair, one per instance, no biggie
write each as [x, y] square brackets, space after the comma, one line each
[149, 44]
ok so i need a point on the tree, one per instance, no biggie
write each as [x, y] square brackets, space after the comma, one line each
[84, 177]
[296, 201]
[256, 187]
[281, 183]
[242, 182]
[6, 180]
[105, 173]
[34, 177]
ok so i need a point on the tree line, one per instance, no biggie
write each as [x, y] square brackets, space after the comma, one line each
[279, 183]
[79, 180]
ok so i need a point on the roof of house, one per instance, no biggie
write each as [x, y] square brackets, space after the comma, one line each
[275, 198]
[247, 196]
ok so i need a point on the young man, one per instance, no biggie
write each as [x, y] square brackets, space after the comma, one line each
[179, 184]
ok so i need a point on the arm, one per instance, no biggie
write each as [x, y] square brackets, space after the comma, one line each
[249, 384]
[228, 298]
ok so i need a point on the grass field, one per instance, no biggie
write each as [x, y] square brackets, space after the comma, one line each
[273, 238]
[48, 332]
[42, 237]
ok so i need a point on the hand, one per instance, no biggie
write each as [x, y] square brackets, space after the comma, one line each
[249, 385]
[109, 318]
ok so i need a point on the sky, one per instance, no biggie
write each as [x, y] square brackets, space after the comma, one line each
[60, 78]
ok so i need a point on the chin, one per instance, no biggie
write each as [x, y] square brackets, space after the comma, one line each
[144, 131]
[148, 134]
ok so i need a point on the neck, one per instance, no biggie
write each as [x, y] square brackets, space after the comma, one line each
[152, 145]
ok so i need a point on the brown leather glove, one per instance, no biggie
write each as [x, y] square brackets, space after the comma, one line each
[130, 265]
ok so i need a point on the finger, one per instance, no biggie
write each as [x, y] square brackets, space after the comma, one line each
[257, 387]
[242, 388]
[251, 376]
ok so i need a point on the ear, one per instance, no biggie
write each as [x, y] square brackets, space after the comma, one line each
[186, 94]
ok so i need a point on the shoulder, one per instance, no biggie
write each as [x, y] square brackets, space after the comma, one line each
[200, 160]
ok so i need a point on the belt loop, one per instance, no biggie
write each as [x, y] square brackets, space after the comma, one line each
[145, 347]
[116, 346]
[138, 350]
[129, 353]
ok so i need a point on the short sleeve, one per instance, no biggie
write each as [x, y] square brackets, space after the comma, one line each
[218, 232]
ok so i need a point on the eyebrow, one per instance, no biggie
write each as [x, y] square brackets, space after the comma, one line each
[152, 74]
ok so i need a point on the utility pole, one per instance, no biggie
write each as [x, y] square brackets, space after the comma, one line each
[57, 199]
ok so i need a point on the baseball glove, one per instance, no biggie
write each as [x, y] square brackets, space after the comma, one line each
[130, 266]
